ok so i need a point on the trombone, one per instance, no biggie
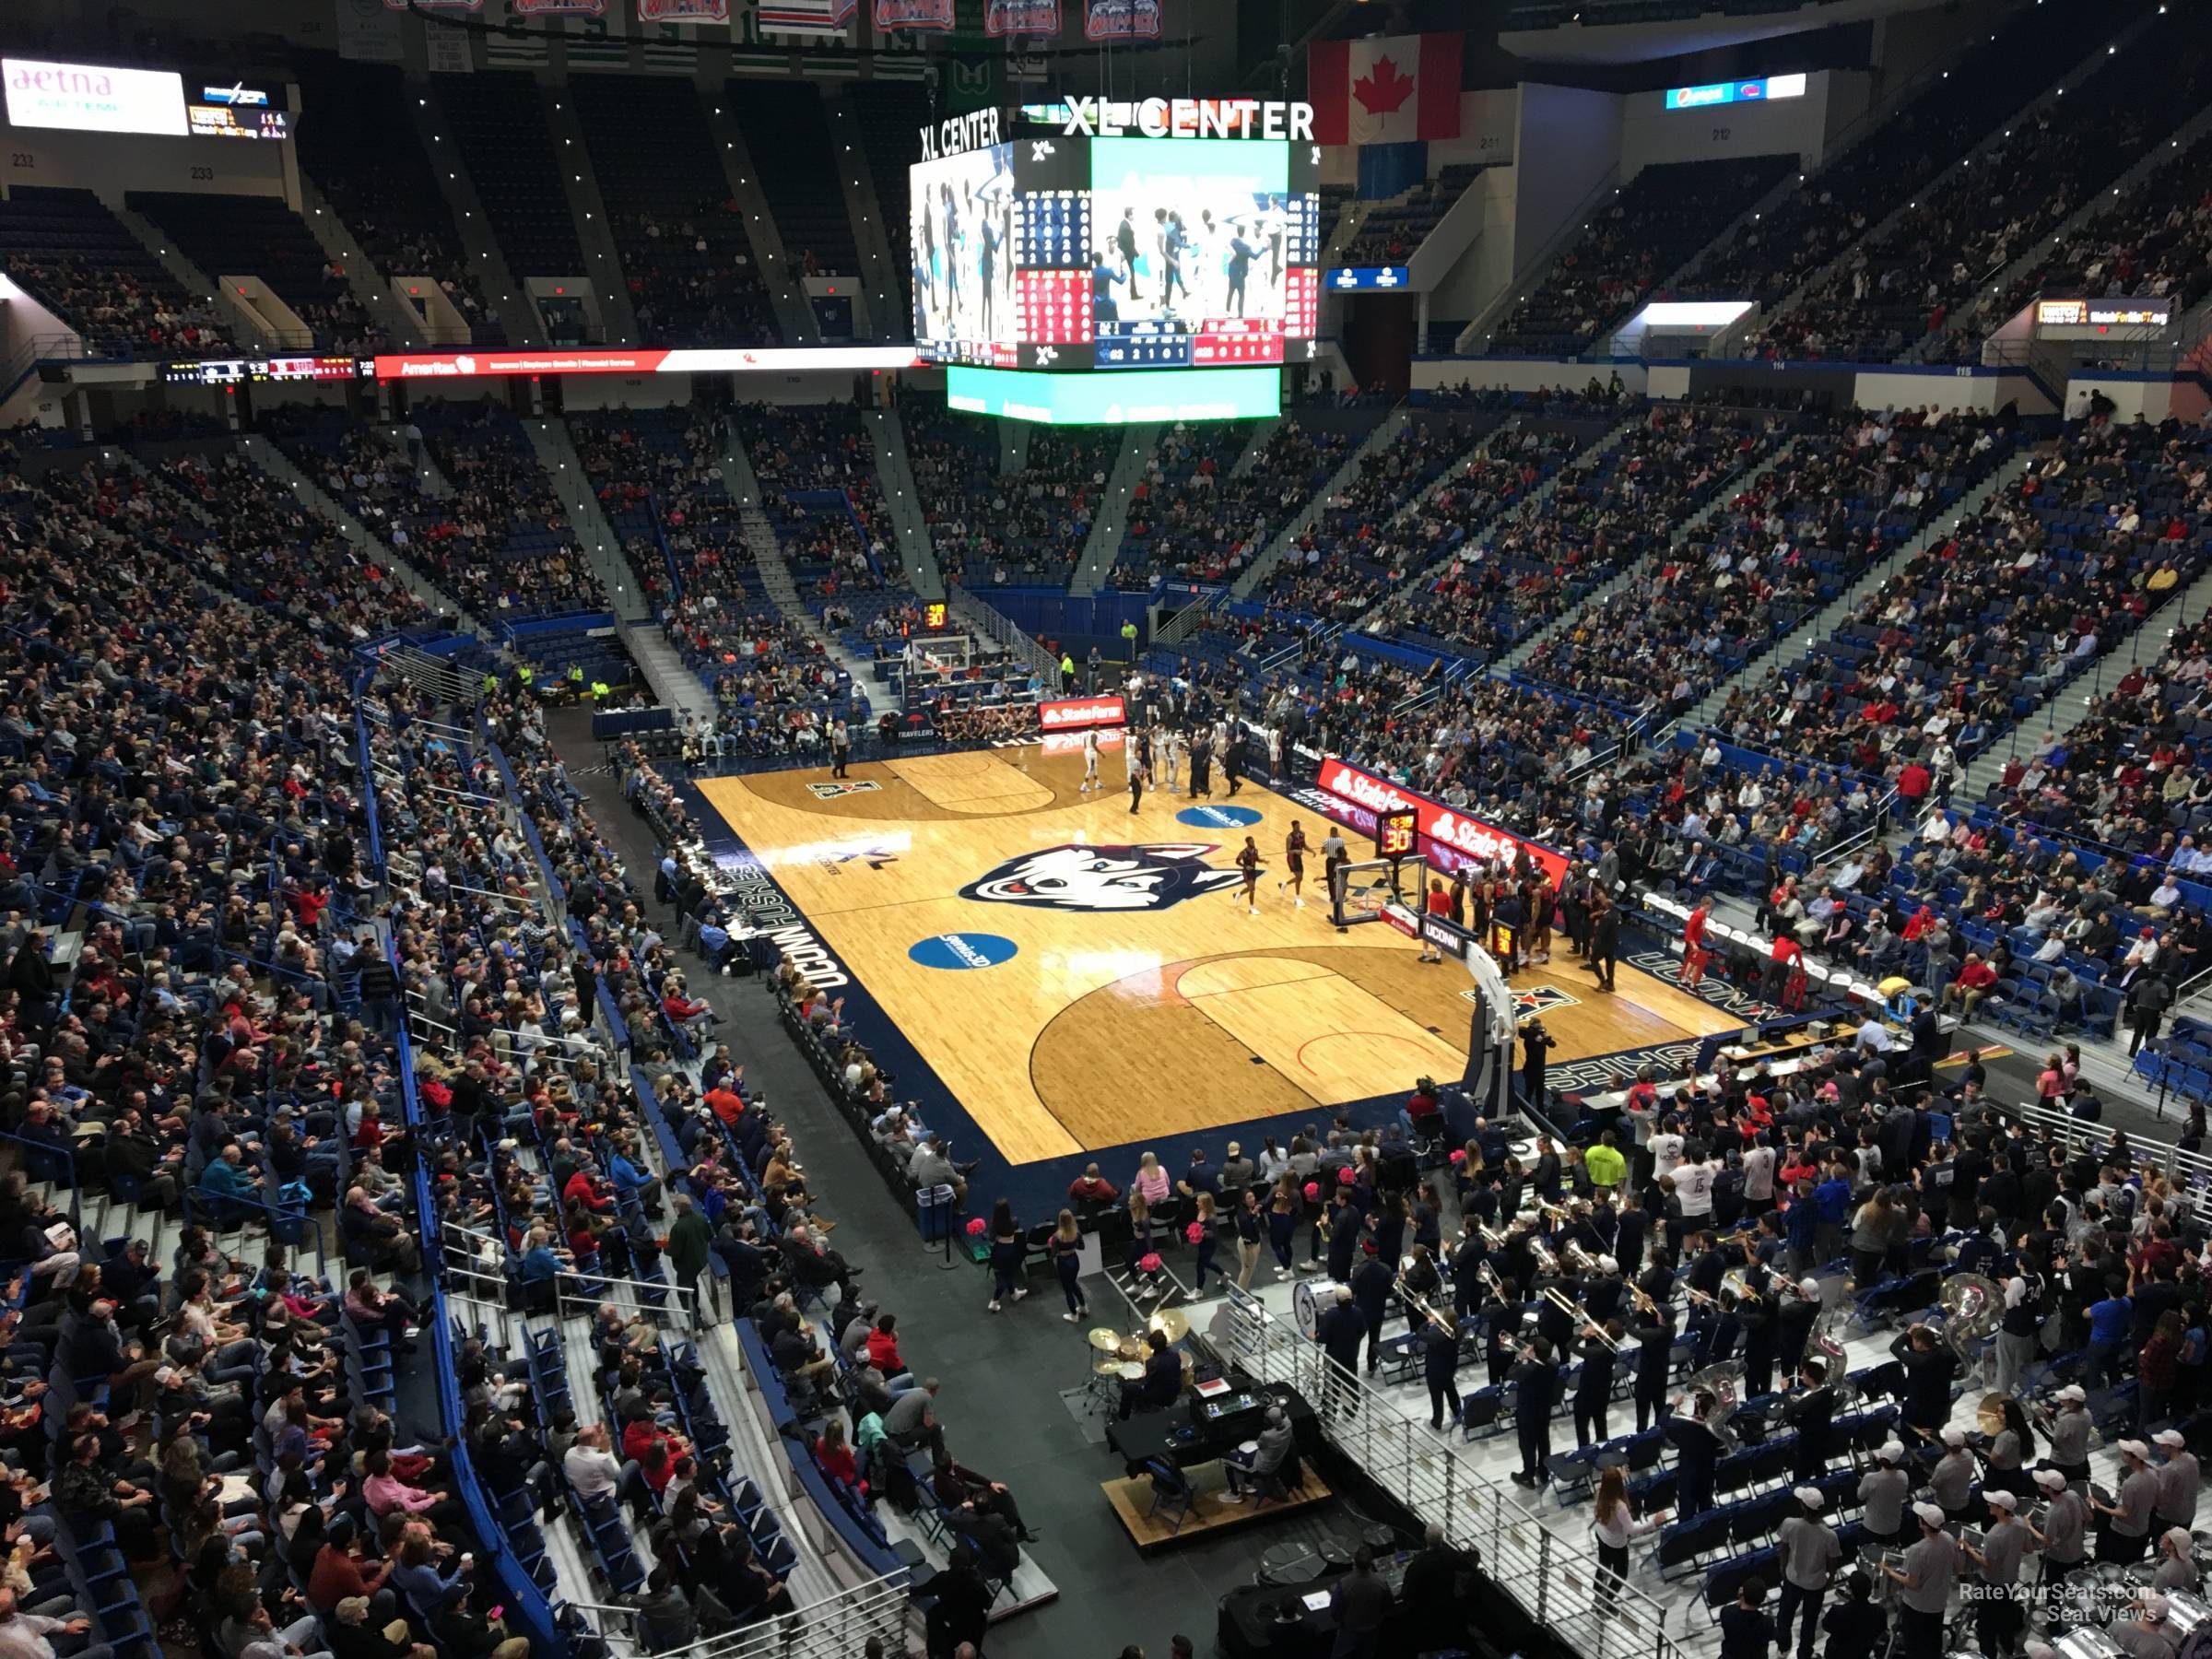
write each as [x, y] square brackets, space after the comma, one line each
[1573, 1309]
[1413, 1299]
[1703, 1298]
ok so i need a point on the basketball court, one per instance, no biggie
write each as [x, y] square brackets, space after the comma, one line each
[1079, 977]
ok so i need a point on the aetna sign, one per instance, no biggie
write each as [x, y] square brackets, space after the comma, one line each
[1436, 823]
[94, 97]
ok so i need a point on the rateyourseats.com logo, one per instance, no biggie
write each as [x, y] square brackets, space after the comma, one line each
[963, 950]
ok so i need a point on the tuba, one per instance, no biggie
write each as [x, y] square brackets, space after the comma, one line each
[1972, 1307]
[1725, 1383]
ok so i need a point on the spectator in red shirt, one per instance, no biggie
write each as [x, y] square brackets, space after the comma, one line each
[883, 1346]
[725, 1104]
[1974, 981]
[1091, 1187]
[1914, 781]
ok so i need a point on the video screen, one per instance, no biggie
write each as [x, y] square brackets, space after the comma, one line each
[1204, 253]
[961, 214]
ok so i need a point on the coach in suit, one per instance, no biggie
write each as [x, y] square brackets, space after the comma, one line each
[1605, 937]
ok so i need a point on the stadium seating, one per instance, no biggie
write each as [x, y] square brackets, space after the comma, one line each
[694, 279]
[1768, 259]
[386, 194]
[506, 551]
[78, 259]
[1391, 234]
[1632, 244]
[1035, 521]
[1953, 239]
[499, 125]
[1605, 513]
[889, 114]
[788, 133]
[1857, 486]
[259, 236]
[1174, 504]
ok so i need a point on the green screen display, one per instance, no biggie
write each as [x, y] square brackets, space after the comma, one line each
[1132, 395]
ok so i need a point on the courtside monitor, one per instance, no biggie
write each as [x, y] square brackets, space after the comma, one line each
[1094, 238]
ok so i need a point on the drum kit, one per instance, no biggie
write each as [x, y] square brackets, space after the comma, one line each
[1117, 1357]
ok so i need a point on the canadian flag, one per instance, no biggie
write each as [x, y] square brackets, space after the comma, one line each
[1389, 89]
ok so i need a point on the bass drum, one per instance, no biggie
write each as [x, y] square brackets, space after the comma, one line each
[1305, 1308]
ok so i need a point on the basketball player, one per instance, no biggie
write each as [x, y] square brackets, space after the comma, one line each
[1294, 854]
[1248, 860]
[1160, 753]
[1091, 760]
[1693, 944]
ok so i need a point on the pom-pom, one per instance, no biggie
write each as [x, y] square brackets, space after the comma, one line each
[1194, 1231]
[1344, 1176]
[976, 1227]
[1149, 1262]
[1459, 1155]
[1313, 1192]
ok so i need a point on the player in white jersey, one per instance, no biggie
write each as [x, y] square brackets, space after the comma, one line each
[1091, 760]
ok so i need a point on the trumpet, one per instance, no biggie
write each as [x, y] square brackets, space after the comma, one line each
[1738, 1284]
[1642, 1299]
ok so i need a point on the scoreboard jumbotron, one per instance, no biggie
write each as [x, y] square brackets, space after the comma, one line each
[1094, 238]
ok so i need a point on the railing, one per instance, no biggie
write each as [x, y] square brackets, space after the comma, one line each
[2177, 1163]
[1554, 1580]
[836, 1627]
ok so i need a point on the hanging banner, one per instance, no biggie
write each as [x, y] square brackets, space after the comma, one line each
[1022, 16]
[915, 15]
[807, 17]
[450, 49]
[370, 34]
[683, 11]
[1120, 19]
[557, 8]
[467, 6]
[1384, 89]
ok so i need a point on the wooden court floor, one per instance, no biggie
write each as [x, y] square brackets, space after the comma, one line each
[1080, 977]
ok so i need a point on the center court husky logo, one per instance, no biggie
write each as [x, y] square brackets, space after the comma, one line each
[1149, 877]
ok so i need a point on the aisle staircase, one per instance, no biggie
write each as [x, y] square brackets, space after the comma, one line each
[1384, 434]
[902, 498]
[1139, 444]
[596, 537]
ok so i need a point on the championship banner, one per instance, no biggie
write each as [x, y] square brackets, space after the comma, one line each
[557, 8]
[806, 17]
[1120, 19]
[401, 6]
[1446, 826]
[683, 11]
[1073, 713]
[914, 16]
[1022, 16]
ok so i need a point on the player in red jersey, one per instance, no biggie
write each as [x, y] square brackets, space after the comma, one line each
[1694, 953]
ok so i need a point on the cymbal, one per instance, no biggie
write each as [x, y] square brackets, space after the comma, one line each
[1105, 1340]
[1171, 1323]
[1989, 1417]
[1108, 1366]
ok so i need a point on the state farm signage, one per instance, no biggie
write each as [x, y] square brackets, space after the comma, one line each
[1072, 714]
[1463, 833]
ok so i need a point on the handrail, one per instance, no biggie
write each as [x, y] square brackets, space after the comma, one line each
[1555, 1579]
[2078, 1134]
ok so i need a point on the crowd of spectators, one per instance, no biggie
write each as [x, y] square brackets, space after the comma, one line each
[506, 548]
[1174, 504]
[1633, 242]
[1034, 522]
[1851, 490]
[76, 258]
[1992, 617]
[1348, 560]
[1606, 513]
[1954, 238]
[1767, 259]
[2155, 241]
[815, 465]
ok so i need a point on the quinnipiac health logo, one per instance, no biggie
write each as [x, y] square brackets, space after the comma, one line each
[956, 950]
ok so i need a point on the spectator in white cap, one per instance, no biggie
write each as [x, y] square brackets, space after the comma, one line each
[2063, 1538]
[1952, 1479]
[2127, 1535]
[2177, 1561]
[2146, 1635]
[1998, 1616]
[2178, 1480]
[2070, 1434]
[1809, 1553]
[1882, 1493]
[1925, 1580]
